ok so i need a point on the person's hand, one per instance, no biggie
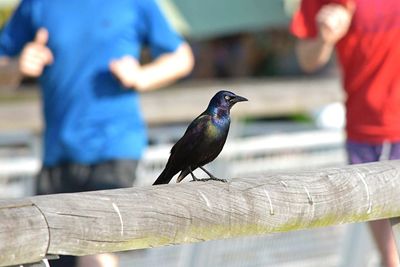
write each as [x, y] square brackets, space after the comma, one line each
[36, 55]
[333, 21]
[128, 71]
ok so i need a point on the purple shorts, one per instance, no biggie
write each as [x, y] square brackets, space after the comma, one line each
[363, 152]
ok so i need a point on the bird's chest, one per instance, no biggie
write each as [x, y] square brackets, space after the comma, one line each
[217, 129]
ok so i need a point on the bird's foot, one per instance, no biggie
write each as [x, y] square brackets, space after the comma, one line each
[218, 179]
[210, 179]
[194, 179]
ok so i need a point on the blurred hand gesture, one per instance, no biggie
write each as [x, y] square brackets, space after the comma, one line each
[36, 55]
[333, 21]
[128, 71]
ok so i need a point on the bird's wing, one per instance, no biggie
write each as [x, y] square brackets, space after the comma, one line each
[188, 150]
[192, 136]
[200, 144]
[181, 153]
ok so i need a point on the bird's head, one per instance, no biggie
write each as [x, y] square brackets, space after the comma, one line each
[225, 100]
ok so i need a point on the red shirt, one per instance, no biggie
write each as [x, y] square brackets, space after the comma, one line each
[369, 56]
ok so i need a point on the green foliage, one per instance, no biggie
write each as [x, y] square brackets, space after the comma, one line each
[301, 117]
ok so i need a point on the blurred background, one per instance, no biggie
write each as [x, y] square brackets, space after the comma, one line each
[293, 121]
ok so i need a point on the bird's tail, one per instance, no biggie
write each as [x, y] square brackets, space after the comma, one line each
[182, 175]
[165, 177]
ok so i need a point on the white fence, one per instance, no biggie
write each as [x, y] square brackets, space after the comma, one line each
[260, 154]
[19, 162]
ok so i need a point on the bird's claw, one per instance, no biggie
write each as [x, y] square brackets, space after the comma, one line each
[218, 179]
[198, 180]
[210, 179]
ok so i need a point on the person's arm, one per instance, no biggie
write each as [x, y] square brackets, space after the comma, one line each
[23, 50]
[172, 56]
[312, 54]
[35, 55]
[164, 70]
[333, 22]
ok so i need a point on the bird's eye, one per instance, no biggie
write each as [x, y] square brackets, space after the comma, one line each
[227, 97]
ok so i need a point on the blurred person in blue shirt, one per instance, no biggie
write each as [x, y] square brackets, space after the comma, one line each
[86, 56]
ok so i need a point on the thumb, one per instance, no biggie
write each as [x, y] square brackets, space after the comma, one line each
[351, 6]
[42, 36]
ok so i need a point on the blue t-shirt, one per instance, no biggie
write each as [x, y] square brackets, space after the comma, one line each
[89, 116]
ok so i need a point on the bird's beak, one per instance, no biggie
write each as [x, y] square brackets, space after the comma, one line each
[238, 98]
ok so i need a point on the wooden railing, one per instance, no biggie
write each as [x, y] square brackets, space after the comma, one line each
[144, 217]
[267, 98]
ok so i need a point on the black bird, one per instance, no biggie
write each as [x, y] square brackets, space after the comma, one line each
[203, 140]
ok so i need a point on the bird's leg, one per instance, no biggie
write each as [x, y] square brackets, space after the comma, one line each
[212, 177]
[193, 177]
